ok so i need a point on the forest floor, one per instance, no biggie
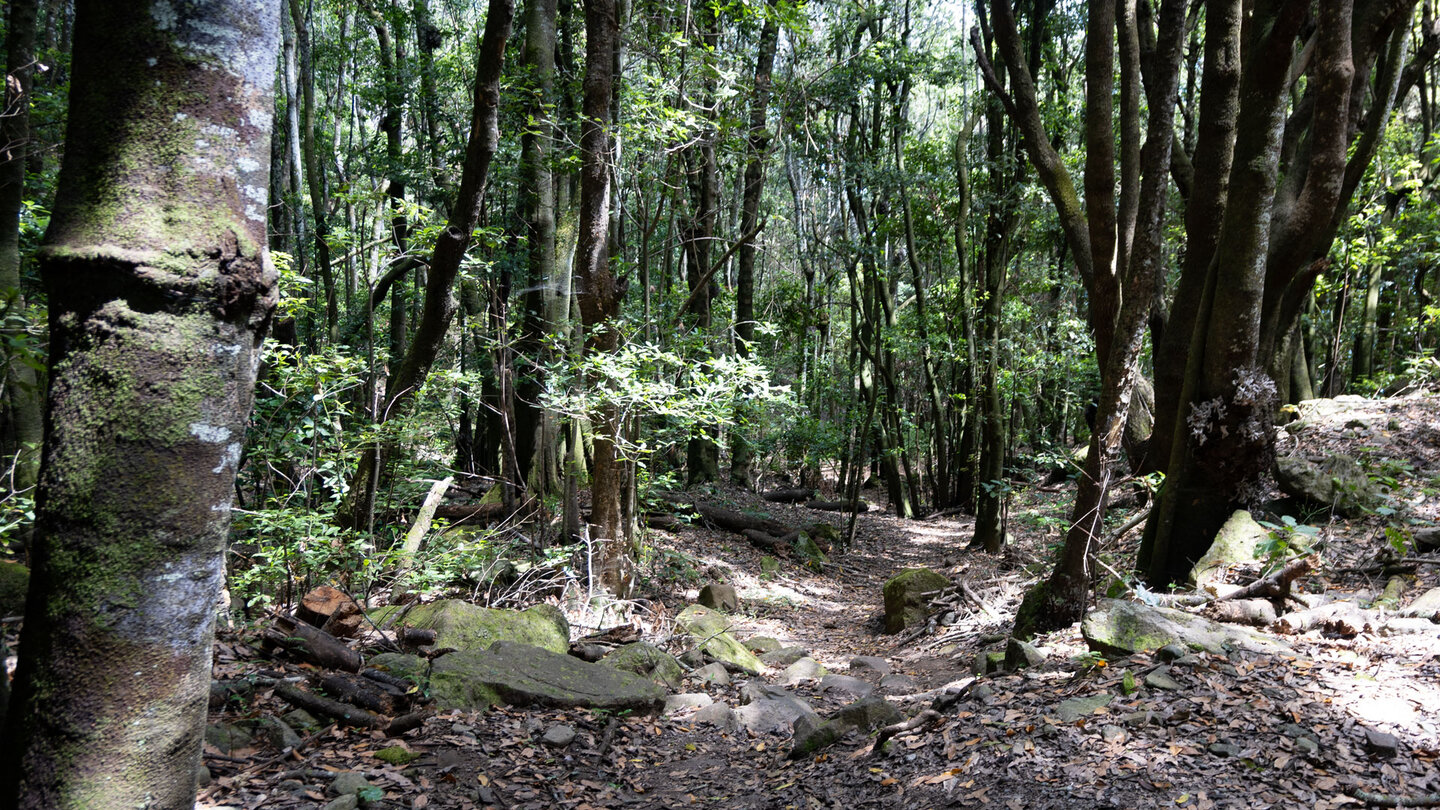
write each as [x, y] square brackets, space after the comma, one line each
[1305, 729]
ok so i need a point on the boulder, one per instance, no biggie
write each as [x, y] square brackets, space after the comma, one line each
[1337, 480]
[1234, 545]
[648, 661]
[784, 657]
[905, 604]
[805, 669]
[412, 668]
[468, 627]
[711, 629]
[14, 581]
[773, 711]
[522, 675]
[762, 644]
[1119, 628]
[865, 714]
[719, 597]
[847, 685]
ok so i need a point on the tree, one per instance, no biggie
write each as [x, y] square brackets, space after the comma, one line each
[159, 289]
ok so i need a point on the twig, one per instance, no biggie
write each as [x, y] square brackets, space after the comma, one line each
[923, 718]
[607, 738]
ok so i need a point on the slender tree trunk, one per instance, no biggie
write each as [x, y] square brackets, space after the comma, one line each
[314, 169]
[22, 386]
[702, 457]
[450, 247]
[154, 350]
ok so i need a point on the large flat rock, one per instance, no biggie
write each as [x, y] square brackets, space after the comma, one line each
[523, 675]
[1116, 627]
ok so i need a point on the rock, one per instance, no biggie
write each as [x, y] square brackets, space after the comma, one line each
[905, 602]
[869, 665]
[522, 675]
[785, 656]
[1077, 707]
[869, 713]
[1113, 734]
[1020, 654]
[468, 627]
[1234, 545]
[718, 714]
[898, 684]
[770, 716]
[412, 668]
[769, 566]
[301, 719]
[1121, 628]
[762, 644]
[1162, 680]
[1425, 605]
[809, 552]
[1172, 652]
[232, 691]
[717, 596]
[987, 662]
[202, 775]
[712, 673]
[348, 782]
[690, 700]
[14, 582]
[711, 629]
[805, 669]
[558, 736]
[1381, 745]
[1308, 746]
[648, 661]
[1225, 749]
[813, 734]
[349, 801]
[278, 733]
[228, 737]
[846, 685]
[693, 659]
[397, 755]
[1337, 480]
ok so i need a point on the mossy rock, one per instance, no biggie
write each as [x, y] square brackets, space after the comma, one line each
[808, 550]
[648, 661]
[1337, 481]
[397, 755]
[14, 581]
[1234, 545]
[470, 627]
[905, 604]
[1122, 628]
[522, 675]
[712, 630]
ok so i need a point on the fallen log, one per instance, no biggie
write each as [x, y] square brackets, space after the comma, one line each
[763, 541]
[839, 506]
[1252, 612]
[738, 522]
[312, 644]
[342, 713]
[1344, 619]
[408, 722]
[479, 512]
[796, 495]
[657, 520]
[416, 637]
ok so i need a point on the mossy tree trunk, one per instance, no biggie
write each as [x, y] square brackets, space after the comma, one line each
[160, 290]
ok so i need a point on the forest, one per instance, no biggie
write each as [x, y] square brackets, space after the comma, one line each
[376, 372]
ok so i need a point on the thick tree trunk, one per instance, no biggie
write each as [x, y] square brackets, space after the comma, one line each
[153, 357]
[22, 388]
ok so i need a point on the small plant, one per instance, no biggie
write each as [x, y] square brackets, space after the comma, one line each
[1286, 541]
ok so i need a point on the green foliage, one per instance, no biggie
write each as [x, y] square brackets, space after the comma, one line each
[1286, 541]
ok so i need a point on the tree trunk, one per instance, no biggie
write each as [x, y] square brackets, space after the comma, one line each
[741, 455]
[450, 247]
[22, 387]
[598, 290]
[154, 351]
[314, 170]
[702, 456]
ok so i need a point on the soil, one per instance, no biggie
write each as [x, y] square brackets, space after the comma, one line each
[1306, 729]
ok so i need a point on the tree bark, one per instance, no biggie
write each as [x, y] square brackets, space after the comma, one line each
[159, 290]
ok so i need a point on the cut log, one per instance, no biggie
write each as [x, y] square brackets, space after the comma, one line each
[312, 644]
[471, 512]
[799, 495]
[416, 637]
[363, 692]
[317, 606]
[657, 520]
[839, 506]
[408, 722]
[342, 713]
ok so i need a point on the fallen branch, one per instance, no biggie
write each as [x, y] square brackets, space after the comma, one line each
[797, 495]
[1391, 800]
[1345, 619]
[923, 718]
[1275, 586]
[312, 644]
[408, 722]
[343, 713]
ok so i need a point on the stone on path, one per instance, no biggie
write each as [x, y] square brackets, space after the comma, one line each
[718, 714]
[1425, 605]
[689, 700]
[719, 596]
[1077, 707]
[1117, 627]
[870, 665]
[905, 600]
[805, 669]
[711, 630]
[648, 661]
[712, 673]
[1021, 654]
[898, 683]
[762, 644]
[865, 714]
[785, 656]
[846, 685]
